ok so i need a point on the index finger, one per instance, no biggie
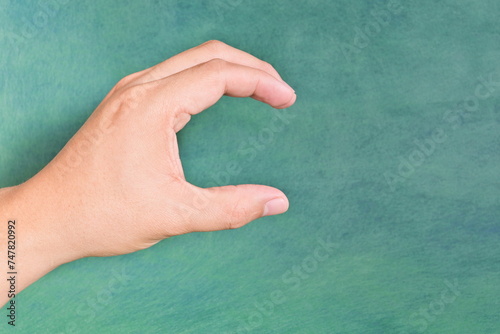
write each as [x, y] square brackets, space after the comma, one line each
[201, 54]
[195, 89]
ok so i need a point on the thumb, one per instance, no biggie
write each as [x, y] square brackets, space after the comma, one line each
[230, 207]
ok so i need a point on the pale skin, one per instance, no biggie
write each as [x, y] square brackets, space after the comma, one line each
[118, 185]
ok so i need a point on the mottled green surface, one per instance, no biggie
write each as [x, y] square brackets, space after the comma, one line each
[359, 111]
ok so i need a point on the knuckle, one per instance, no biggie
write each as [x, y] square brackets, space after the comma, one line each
[129, 98]
[125, 81]
[122, 82]
[132, 94]
[216, 64]
[268, 67]
[215, 67]
[237, 215]
[214, 47]
[129, 80]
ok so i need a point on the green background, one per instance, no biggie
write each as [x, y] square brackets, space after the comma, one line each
[364, 105]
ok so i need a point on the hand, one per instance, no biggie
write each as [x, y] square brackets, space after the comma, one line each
[118, 185]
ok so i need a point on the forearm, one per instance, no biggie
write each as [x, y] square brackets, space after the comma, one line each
[34, 248]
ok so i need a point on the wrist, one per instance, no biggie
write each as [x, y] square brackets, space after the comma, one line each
[40, 245]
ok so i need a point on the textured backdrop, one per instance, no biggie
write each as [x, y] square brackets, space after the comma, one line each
[390, 159]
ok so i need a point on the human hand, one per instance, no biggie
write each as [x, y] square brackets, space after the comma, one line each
[118, 185]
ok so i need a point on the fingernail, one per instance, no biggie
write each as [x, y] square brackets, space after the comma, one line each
[275, 207]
